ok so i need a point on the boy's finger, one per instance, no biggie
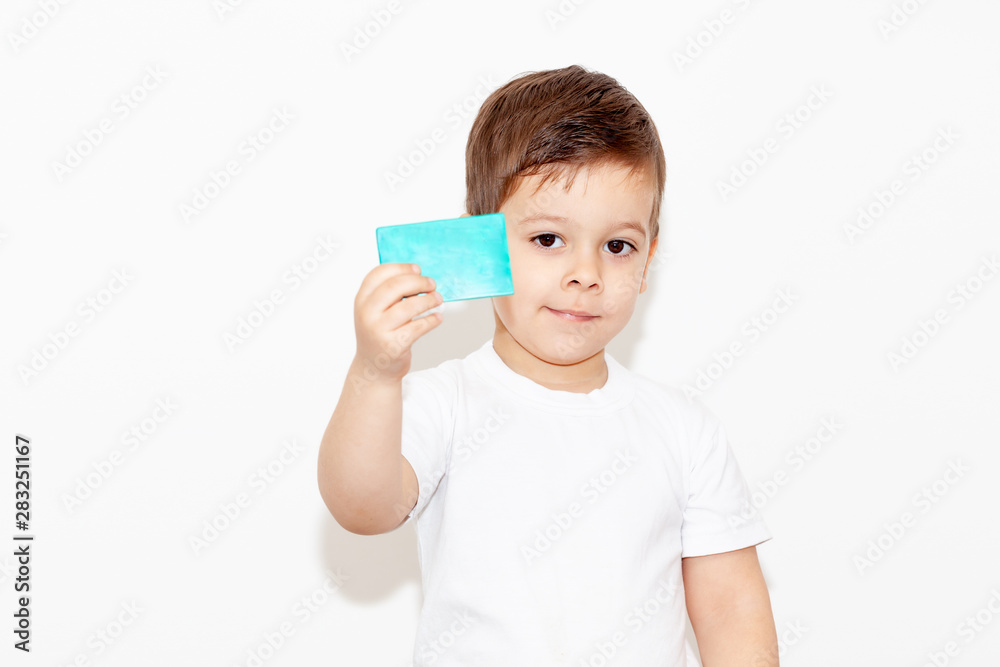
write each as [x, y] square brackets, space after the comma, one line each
[395, 288]
[403, 311]
[411, 331]
[379, 275]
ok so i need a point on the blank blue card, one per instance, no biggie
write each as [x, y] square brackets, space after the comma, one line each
[467, 257]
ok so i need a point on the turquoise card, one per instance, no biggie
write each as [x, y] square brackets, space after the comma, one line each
[467, 257]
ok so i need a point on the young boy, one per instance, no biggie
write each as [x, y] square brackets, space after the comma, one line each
[568, 510]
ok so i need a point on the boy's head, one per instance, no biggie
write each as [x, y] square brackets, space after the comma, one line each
[575, 163]
[552, 123]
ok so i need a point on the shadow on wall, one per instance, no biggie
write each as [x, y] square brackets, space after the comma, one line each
[377, 565]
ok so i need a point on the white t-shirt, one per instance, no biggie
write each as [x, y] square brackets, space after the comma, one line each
[551, 524]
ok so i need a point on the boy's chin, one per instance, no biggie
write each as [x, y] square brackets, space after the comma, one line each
[558, 350]
[567, 352]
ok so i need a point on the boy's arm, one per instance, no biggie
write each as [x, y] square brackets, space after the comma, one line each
[363, 478]
[730, 609]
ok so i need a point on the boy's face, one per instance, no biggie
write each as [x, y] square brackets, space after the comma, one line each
[585, 251]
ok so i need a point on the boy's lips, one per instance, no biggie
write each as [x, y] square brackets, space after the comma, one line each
[572, 315]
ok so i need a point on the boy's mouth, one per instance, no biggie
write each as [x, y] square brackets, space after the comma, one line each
[572, 315]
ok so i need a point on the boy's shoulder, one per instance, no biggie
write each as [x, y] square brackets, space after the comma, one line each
[453, 370]
[673, 403]
[446, 378]
[445, 375]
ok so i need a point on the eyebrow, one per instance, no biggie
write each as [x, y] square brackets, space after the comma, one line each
[627, 224]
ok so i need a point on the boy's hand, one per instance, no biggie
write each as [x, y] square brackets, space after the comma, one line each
[382, 323]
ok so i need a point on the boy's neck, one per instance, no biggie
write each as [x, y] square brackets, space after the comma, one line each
[581, 377]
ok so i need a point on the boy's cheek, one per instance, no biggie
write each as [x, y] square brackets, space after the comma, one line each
[615, 304]
[628, 284]
[525, 272]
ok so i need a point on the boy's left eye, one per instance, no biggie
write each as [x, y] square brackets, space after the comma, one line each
[617, 247]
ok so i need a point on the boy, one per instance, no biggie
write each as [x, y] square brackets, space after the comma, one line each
[568, 509]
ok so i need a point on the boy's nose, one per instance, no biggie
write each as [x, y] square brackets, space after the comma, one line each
[584, 271]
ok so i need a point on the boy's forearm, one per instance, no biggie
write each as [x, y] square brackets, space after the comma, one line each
[360, 463]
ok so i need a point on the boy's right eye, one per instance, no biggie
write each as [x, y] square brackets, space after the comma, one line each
[546, 240]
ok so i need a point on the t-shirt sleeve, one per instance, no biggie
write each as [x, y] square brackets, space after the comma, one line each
[428, 424]
[718, 515]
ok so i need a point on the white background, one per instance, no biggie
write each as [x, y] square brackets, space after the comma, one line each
[162, 336]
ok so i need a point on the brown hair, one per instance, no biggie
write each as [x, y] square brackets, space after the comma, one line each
[567, 118]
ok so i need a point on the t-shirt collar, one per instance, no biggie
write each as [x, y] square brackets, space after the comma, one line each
[615, 394]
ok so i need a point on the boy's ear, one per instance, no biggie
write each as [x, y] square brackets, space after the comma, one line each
[649, 262]
[464, 215]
